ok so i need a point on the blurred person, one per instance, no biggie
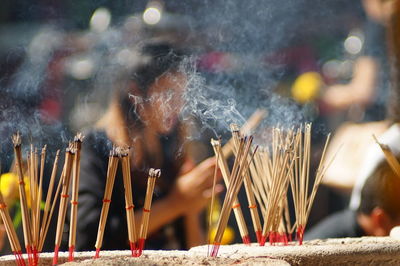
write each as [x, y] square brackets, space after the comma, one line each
[368, 89]
[372, 209]
[143, 114]
[377, 213]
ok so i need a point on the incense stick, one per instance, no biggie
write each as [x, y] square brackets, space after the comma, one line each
[74, 199]
[46, 215]
[130, 216]
[153, 175]
[111, 172]
[212, 203]
[39, 196]
[66, 181]
[26, 225]
[389, 156]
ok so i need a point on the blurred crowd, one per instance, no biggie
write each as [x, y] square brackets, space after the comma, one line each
[64, 67]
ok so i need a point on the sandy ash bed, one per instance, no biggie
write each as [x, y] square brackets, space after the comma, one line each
[354, 251]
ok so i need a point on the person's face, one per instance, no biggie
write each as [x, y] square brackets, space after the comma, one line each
[165, 101]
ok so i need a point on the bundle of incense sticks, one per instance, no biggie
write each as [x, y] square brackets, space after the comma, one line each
[241, 165]
[389, 156]
[74, 199]
[26, 224]
[248, 187]
[278, 179]
[35, 227]
[272, 173]
[237, 210]
[300, 178]
[151, 181]
[65, 186]
[11, 234]
[117, 154]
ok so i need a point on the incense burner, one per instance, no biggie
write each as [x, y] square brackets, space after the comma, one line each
[354, 251]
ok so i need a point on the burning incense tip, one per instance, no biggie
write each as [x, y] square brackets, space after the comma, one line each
[79, 137]
[121, 151]
[234, 128]
[16, 139]
[154, 173]
[215, 142]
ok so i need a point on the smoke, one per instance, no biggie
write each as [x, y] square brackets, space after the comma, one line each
[236, 69]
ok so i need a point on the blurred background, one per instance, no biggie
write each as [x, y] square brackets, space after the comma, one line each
[56, 58]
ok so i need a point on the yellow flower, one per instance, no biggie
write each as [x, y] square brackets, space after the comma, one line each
[307, 87]
[9, 188]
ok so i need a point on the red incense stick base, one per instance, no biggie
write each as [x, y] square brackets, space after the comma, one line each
[300, 234]
[18, 258]
[97, 255]
[214, 249]
[71, 253]
[246, 240]
[55, 258]
[133, 249]
[141, 242]
[259, 237]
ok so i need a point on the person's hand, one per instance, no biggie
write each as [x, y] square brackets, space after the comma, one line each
[193, 190]
[338, 97]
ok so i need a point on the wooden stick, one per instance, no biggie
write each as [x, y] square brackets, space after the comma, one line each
[151, 181]
[130, 215]
[26, 225]
[74, 199]
[111, 172]
[66, 181]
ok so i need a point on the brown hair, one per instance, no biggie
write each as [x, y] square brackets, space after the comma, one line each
[382, 189]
